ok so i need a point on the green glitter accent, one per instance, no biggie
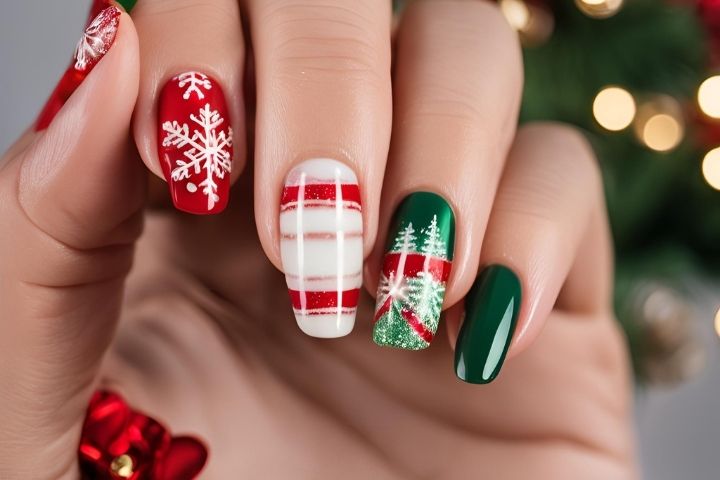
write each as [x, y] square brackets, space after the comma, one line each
[391, 330]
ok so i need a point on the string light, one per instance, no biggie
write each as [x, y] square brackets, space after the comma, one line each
[659, 124]
[599, 8]
[711, 168]
[614, 108]
[533, 23]
[709, 96]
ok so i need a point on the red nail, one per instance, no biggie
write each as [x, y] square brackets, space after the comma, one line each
[195, 143]
[94, 44]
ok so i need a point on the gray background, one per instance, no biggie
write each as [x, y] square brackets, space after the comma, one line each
[678, 428]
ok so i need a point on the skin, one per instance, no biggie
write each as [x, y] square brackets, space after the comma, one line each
[214, 351]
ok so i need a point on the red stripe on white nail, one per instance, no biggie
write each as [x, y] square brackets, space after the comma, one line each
[322, 191]
[314, 300]
[321, 235]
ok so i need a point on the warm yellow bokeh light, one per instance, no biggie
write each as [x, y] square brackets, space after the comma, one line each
[709, 96]
[599, 8]
[662, 132]
[711, 168]
[516, 12]
[717, 322]
[614, 108]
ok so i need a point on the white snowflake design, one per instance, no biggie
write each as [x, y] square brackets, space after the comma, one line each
[97, 38]
[194, 81]
[209, 151]
[395, 288]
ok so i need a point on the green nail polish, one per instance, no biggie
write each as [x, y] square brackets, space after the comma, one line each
[491, 311]
[127, 4]
[415, 270]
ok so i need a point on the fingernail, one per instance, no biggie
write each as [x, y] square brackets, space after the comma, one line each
[97, 39]
[321, 245]
[415, 270]
[491, 311]
[195, 143]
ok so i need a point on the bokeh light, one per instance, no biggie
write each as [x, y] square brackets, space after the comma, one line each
[711, 168]
[614, 108]
[659, 123]
[599, 8]
[709, 96]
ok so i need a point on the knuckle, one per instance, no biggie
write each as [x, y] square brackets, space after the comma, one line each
[328, 39]
[575, 162]
[473, 23]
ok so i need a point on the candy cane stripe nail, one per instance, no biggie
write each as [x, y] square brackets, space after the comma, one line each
[321, 246]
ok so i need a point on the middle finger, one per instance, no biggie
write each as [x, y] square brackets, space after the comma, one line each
[322, 136]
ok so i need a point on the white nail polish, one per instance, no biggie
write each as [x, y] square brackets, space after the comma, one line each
[321, 245]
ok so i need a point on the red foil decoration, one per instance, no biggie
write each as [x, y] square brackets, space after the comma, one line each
[112, 429]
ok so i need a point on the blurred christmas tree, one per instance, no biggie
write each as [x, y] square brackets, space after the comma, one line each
[636, 77]
[629, 75]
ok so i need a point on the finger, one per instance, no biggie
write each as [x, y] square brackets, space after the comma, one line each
[548, 216]
[322, 132]
[70, 204]
[453, 124]
[189, 126]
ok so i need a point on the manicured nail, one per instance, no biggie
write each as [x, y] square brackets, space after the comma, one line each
[415, 270]
[97, 39]
[195, 143]
[321, 228]
[491, 311]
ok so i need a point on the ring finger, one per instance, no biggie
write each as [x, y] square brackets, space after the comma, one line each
[457, 81]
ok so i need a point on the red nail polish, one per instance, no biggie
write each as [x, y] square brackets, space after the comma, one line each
[195, 143]
[94, 44]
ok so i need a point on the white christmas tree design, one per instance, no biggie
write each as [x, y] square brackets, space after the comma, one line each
[434, 245]
[194, 81]
[405, 240]
[426, 295]
[209, 150]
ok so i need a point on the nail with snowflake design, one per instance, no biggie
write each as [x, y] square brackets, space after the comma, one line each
[195, 143]
[95, 42]
[415, 270]
[321, 230]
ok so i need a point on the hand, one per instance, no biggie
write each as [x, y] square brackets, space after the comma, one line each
[205, 340]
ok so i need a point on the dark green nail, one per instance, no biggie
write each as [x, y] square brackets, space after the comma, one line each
[127, 4]
[491, 311]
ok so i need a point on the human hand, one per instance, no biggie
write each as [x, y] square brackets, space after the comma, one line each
[205, 341]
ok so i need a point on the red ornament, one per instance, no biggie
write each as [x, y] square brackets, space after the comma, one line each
[119, 443]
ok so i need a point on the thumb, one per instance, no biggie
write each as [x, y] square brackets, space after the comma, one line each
[70, 208]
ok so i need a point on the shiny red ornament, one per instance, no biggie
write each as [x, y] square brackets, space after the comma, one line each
[112, 430]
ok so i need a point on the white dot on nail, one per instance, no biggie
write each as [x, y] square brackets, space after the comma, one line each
[191, 187]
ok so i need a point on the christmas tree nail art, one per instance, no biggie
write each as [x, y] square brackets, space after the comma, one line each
[415, 270]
